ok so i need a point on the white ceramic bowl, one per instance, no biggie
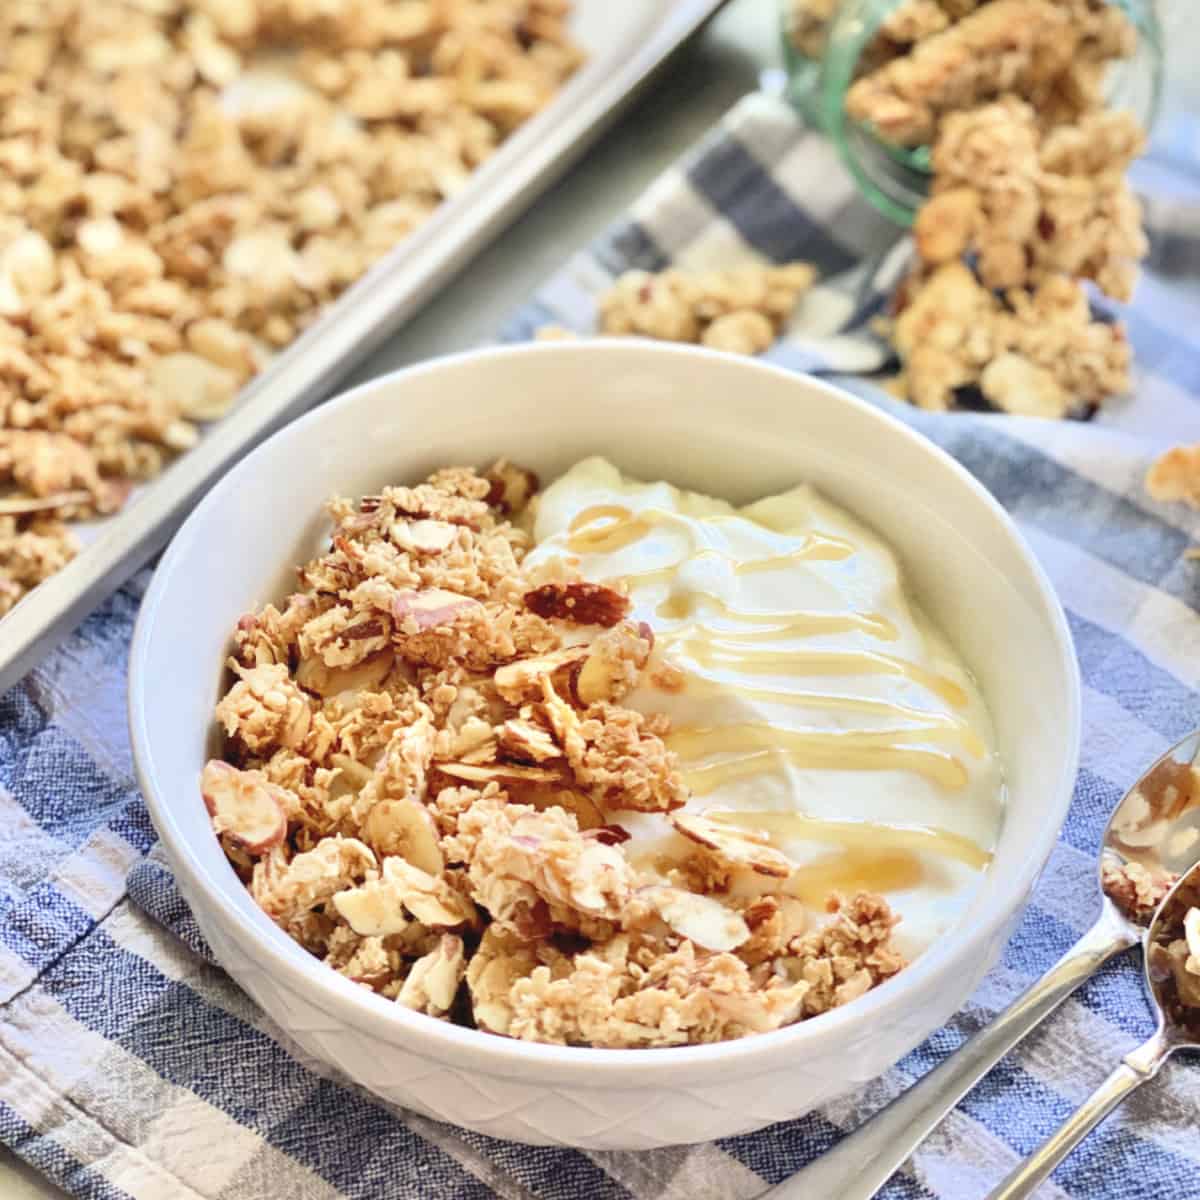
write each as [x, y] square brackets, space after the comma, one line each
[704, 420]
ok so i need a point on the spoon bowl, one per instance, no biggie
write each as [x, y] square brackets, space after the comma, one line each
[1172, 965]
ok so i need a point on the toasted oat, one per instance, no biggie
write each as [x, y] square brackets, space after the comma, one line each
[848, 957]
[1031, 206]
[174, 209]
[1043, 50]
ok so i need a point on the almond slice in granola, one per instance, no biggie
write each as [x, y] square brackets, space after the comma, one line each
[700, 919]
[431, 608]
[373, 910]
[527, 741]
[734, 847]
[424, 536]
[496, 965]
[367, 676]
[429, 898]
[522, 680]
[245, 807]
[433, 980]
[405, 827]
[500, 772]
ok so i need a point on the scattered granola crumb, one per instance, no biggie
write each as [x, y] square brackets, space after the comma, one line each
[742, 309]
[1175, 475]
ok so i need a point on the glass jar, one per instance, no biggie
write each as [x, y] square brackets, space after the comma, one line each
[825, 41]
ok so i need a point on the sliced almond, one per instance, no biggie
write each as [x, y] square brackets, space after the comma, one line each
[529, 742]
[432, 983]
[585, 810]
[373, 910]
[405, 827]
[430, 899]
[246, 808]
[522, 680]
[734, 847]
[500, 771]
[496, 965]
[430, 608]
[700, 919]
[424, 536]
[200, 389]
[367, 676]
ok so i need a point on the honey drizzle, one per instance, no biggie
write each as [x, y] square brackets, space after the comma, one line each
[697, 741]
[861, 835]
[608, 527]
[944, 769]
[715, 653]
[848, 873]
[704, 685]
[788, 624]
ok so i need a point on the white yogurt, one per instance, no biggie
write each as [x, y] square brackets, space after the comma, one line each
[811, 685]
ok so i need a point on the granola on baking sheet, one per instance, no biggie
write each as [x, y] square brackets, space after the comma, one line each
[426, 768]
[184, 185]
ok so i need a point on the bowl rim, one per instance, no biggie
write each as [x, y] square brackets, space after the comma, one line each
[373, 1014]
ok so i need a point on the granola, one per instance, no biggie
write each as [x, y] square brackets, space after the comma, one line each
[1175, 475]
[741, 310]
[1173, 959]
[175, 207]
[1152, 831]
[1032, 353]
[1027, 188]
[426, 769]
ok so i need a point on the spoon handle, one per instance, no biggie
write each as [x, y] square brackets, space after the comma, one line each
[1135, 1069]
[863, 1161]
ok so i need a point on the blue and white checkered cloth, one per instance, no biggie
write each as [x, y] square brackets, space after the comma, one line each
[131, 1066]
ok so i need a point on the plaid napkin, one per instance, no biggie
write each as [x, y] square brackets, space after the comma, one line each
[130, 1065]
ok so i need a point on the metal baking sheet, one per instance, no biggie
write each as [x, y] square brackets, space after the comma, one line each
[625, 41]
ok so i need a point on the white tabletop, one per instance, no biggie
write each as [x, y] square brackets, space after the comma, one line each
[705, 79]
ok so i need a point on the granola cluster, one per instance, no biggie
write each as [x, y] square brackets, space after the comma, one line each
[1173, 959]
[1028, 200]
[1175, 475]
[1028, 190]
[426, 764]
[185, 183]
[1132, 872]
[741, 309]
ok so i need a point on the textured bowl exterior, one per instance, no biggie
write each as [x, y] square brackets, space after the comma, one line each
[521, 1109]
[974, 574]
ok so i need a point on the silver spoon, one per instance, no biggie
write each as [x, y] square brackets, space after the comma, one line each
[863, 1161]
[1174, 993]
